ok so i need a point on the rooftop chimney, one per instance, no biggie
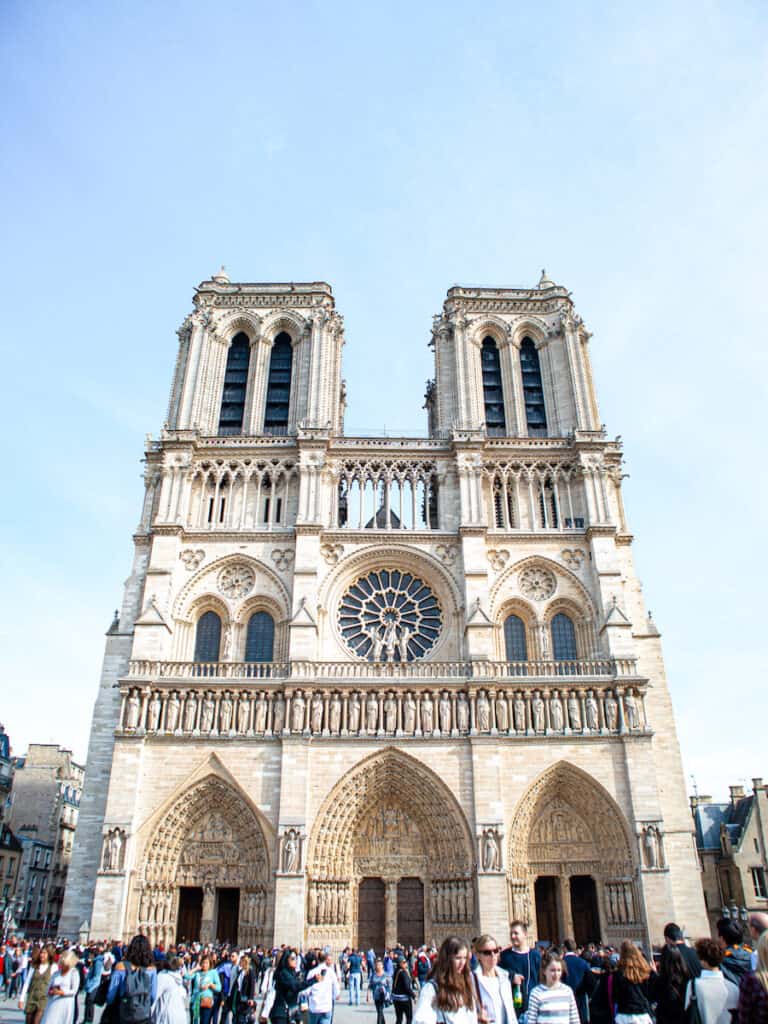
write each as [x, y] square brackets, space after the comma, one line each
[737, 793]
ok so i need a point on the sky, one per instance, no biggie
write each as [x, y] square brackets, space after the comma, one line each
[391, 150]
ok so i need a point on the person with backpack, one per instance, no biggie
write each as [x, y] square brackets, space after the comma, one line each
[133, 983]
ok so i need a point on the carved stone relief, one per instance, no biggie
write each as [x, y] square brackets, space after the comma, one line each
[536, 583]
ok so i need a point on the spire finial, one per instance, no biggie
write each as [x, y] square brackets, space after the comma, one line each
[222, 277]
[544, 281]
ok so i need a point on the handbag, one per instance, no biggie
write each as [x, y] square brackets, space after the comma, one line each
[206, 1002]
[693, 1010]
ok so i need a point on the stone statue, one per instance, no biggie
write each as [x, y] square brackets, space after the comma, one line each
[390, 714]
[462, 714]
[297, 712]
[132, 708]
[172, 713]
[390, 640]
[313, 904]
[490, 850]
[316, 713]
[371, 713]
[335, 714]
[377, 644]
[591, 712]
[321, 904]
[260, 718]
[278, 714]
[630, 710]
[483, 712]
[519, 710]
[155, 707]
[444, 709]
[574, 711]
[354, 712]
[611, 711]
[539, 717]
[206, 713]
[502, 713]
[290, 853]
[225, 713]
[113, 846]
[402, 643]
[190, 712]
[242, 713]
[650, 847]
[427, 714]
[556, 713]
[409, 714]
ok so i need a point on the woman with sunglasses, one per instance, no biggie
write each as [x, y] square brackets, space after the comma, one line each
[288, 984]
[448, 994]
[494, 989]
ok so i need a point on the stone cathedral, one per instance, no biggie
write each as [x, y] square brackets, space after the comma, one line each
[366, 689]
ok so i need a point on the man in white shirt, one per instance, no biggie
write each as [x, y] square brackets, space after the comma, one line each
[324, 991]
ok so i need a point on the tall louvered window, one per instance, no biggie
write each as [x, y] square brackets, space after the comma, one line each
[208, 637]
[533, 390]
[235, 384]
[279, 386]
[260, 638]
[493, 394]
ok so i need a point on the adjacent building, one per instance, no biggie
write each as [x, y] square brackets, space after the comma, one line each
[46, 799]
[368, 689]
[732, 839]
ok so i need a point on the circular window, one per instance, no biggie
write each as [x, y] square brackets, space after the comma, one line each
[390, 615]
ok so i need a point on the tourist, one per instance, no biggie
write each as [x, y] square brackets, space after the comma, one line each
[552, 1002]
[448, 995]
[288, 984]
[226, 968]
[171, 1005]
[758, 924]
[355, 966]
[379, 988]
[634, 987]
[242, 991]
[494, 989]
[402, 992]
[737, 958]
[674, 939]
[674, 976]
[92, 982]
[34, 992]
[522, 964]
[579, 978]
[715, 995]
[205, 984]
[138, 958]
[324, 991]
[65, 981]
[753, 993]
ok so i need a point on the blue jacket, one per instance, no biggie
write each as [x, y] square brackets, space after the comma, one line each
[95, 971]
[117, 983]
[225, 973]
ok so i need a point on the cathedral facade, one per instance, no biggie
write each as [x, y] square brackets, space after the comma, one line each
[370, 689]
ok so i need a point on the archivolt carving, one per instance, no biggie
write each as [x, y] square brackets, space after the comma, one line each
[566, 817]
[568, 584]
[365, 826]
[267, 583]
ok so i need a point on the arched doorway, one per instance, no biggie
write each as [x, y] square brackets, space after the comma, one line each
[390, 858]
[205, 871]
[572, 870]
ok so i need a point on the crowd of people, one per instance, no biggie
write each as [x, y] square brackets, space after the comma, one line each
[479, 982]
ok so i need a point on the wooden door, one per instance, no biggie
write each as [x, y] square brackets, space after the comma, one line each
[410, 912]
[586, 920]
[227, 915]
[546, 909]
[370, 914]
[190, 914]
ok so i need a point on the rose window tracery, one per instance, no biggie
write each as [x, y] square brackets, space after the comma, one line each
[538, 584]
[389, 615]
[236, 580]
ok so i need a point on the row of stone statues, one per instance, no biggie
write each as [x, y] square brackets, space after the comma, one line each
[620, 902]
[253, 909]
[329, 903]
[389, 712]
[453, 901]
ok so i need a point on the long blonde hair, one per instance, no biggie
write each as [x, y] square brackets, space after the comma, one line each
[632, 963]
[762, 960]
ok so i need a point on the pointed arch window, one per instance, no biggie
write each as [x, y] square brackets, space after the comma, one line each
[514, 639]
[493, 392]
[563, 638]
[260, 637]
[208, 637]
[279, 386]
[235, 384]
[533, 390]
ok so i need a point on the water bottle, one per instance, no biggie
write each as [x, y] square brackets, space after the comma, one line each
[517, 998]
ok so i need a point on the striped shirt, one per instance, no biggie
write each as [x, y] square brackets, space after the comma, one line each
[554, 1005]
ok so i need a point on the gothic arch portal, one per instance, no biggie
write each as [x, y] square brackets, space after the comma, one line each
[571, 862]
[208, 841]
[390, 820]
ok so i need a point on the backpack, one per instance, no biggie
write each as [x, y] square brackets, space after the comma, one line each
[136, 1000]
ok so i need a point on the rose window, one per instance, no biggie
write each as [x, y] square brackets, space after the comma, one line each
[236, 580]
[390, 615]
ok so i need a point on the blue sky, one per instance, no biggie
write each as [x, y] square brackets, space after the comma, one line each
[392, 151]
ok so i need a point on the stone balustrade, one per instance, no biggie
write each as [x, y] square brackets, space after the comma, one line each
[585, 668]
[449, 709]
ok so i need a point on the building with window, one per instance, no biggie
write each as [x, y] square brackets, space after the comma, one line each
[377, 688]
[46, 800]
[732, 839]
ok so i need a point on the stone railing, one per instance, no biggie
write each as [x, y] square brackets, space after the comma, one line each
[599, 669]
[448, 709]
